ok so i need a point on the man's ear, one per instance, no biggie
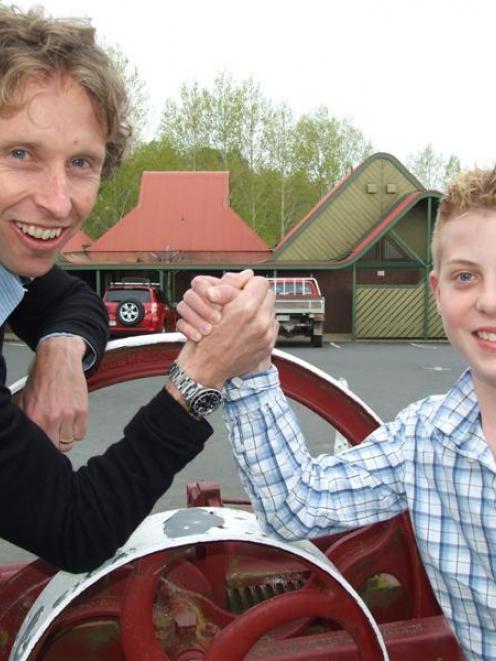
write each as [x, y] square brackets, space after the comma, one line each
[434, 283]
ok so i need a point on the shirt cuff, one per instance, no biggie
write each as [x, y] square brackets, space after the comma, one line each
[89, 358]
[244, 387]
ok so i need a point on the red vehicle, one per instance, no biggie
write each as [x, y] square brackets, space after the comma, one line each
[138, 306]
[205, 582]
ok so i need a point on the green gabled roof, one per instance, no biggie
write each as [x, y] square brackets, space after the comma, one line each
[349, 212]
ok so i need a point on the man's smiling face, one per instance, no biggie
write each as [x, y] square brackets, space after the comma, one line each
[51, 154]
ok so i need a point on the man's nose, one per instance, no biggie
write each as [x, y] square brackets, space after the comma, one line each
[54, 194]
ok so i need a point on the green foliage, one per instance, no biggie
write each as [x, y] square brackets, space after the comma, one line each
[279, 167]
[137, 93]
[432, 168]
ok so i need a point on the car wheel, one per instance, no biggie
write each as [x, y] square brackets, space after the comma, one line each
[317, 340]
[130, 313]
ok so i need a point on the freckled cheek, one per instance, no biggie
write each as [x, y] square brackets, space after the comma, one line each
[87, 200]
[14, 189]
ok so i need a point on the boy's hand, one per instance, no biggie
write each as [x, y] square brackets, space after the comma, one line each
[201, 307]
[56, 394]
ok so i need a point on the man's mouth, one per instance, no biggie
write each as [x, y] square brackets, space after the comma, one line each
[45, 234]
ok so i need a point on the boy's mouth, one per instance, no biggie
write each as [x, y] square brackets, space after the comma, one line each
[489, 336]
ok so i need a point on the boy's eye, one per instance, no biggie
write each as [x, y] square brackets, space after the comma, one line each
[465, 276]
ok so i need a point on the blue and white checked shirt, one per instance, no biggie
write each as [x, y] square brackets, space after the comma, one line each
[432, 460]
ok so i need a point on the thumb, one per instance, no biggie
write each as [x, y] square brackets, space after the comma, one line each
[238, 280]
[223, 293]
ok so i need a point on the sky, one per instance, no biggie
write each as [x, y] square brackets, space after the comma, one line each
[407, 73]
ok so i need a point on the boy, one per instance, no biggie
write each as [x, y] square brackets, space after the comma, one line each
[436, 459]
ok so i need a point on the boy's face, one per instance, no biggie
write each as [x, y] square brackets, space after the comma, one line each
[51, 154]
[465, 289]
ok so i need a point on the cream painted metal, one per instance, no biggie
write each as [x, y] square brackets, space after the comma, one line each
[173, 529]
[168, 530]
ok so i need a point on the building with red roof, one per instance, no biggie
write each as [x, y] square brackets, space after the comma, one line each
[181, 218]
[367, 242]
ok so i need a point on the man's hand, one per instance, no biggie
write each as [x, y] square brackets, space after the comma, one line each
[241, 342]
[56, 394]
[201, 307]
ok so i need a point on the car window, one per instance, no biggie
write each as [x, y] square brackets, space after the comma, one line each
[119, 295]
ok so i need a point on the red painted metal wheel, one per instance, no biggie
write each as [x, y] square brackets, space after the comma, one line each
[234, 636]
[138, 358]
[153, 356]
[323, 396]
[311, 388]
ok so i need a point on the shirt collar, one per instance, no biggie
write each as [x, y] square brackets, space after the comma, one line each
[458, 415]
[11, 293]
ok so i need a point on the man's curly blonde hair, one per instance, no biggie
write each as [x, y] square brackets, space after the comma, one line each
[32, 46]
[473, 189]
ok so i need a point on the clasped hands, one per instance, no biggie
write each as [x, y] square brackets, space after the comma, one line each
[230, 326]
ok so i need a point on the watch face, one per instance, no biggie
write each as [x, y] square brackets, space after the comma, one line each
[207, 401]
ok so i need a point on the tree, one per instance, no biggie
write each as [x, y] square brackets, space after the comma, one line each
[354, 146]
[225, 108]
[279, 141]
[452, 168]
[432, 168]
[137, 93]
[279, 167]
[326, 148]
[252, 115]
[186, 124]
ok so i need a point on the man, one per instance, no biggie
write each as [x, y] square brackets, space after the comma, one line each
[37, 217]
[436, 459]
[63, 125]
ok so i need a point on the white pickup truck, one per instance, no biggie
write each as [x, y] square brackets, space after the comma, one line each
[300, 308]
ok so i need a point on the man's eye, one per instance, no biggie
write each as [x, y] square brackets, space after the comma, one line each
[80, 163]
[20, 154]
[464, 276]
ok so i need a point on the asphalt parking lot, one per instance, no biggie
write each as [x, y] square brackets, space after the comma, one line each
[386, 375]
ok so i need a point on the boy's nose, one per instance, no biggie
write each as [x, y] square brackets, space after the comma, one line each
[486, 301]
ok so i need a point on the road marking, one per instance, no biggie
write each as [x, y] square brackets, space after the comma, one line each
[422, 346]
[336, 346]
[437, 368]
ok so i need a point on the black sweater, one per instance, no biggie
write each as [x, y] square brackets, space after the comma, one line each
[77, 519]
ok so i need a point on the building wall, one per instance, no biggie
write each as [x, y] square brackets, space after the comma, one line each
[396, 312]
[388, 277]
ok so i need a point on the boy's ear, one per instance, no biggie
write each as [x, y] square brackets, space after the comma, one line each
[434, 283]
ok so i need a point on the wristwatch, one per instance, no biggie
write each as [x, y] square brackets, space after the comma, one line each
[200, 399]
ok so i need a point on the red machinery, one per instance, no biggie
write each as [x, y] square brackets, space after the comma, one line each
[206, 583]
